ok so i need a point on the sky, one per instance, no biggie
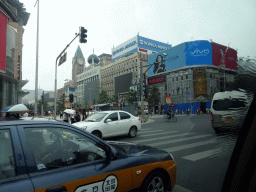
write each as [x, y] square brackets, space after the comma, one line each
[110, 23]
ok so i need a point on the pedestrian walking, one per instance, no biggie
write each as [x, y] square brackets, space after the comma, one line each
[65, 117]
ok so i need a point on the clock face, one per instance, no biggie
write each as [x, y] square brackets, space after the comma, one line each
[80, 61]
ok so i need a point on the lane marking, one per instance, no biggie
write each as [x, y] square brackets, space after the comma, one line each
[162, 133]
[202, 155]
[149, 131]
[178, 188]
[182, 147]
[152, 139]
[179, 140]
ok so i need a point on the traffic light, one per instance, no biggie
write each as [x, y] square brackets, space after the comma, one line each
[71, 98]
[83, 35]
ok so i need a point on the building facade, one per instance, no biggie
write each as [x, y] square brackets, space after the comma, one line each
[105, 59]
[192, 72]
[125, 65]
[13, 17]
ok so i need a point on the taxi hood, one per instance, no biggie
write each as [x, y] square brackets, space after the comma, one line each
[131, 149]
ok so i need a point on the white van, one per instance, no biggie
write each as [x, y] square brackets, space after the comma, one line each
[228, 109]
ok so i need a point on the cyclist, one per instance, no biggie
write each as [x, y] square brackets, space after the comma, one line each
[170, 113]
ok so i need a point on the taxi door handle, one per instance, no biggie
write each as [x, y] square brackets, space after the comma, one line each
[57, 189]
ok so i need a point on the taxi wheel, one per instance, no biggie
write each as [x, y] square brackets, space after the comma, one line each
[133, 132]
[97, 133]
[155, 181]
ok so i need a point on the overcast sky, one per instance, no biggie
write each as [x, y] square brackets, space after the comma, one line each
[110, 23]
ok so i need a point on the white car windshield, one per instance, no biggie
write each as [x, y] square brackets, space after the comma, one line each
[96, 117]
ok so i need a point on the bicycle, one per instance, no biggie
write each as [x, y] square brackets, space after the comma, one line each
[168, 118]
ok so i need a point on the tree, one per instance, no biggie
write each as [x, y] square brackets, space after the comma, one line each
[103, 97]
[45, 105]
[30, 107]
[131, 96]
[153, 96]
[114, 98]
[61, 103]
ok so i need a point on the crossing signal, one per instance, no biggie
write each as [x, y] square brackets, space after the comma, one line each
[83, 35]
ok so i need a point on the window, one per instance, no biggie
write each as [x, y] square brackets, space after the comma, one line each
[176, 78]
[113, 117]
[124, 115]
[181, 77]
[54, 148]
[7, 162]
[186, 76]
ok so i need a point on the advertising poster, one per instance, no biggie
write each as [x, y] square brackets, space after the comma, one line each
[125, 48]
[166, 60]
[198, 53]
[149, 44]
[224, 56]
[3, 30]
[168, 99]
[200, 83]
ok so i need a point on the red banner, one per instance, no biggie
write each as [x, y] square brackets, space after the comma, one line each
[223, 55]
[3, 34]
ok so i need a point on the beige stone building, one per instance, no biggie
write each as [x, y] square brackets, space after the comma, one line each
[120, 67]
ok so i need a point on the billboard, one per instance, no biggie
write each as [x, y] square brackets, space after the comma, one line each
[125, 48]
[166, 60]
[223, 55]
[123, 83]
[149, 44]
[3, 33]
[136, 44]
[198, 53]
[185, 54]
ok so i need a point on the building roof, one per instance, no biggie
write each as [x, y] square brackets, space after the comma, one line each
[95, 57]
[79, 52]
[104, 54]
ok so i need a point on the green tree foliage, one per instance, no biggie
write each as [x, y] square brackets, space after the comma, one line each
[114, 98]
[45, 105]
[30, 106]
[61, 103]
[103, 97]
[131, 96]
[153, 96]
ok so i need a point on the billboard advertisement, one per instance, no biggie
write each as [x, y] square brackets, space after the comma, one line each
[123, 83]
[224, 56]
[136, 44]
[152, 45]
[125, 48]
[198, 53]
[3, 32]
[166, 60]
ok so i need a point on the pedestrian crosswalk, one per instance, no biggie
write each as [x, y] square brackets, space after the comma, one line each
[187, 143]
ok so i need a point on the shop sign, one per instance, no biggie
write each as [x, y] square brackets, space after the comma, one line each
[156, 80]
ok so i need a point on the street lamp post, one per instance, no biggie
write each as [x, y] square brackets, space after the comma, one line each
[36, 74]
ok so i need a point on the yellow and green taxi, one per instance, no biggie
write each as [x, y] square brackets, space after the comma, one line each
[51, 156]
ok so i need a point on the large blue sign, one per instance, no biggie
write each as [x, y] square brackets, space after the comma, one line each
[152, 45]
[199, 53]
[185, 54]
[169, 59]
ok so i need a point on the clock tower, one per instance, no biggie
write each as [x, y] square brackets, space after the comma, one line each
[78, 63]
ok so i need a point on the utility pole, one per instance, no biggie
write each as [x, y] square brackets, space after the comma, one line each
[141, 94]
[36, 75]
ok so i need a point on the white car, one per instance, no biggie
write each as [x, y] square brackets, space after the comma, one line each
[111, 123]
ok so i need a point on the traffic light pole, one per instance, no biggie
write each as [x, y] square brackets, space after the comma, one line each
[55, 87]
